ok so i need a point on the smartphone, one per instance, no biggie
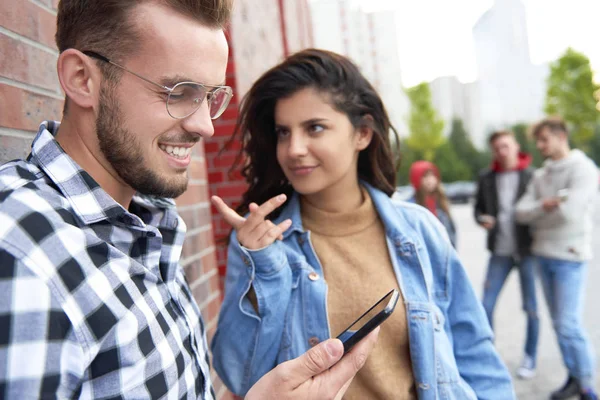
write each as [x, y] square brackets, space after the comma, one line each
[563, 194]
[486, 219]
[369, 320]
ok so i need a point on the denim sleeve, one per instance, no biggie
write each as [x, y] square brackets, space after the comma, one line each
[246, 343]
[478, 362]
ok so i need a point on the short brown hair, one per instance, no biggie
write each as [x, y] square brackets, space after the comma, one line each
[554, 124]
[498, 134]
[98, 24]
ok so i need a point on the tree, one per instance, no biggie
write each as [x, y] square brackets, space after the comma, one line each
[408, 156]
[571, 95]
[452, 167]
[465, 150]
[425, 125]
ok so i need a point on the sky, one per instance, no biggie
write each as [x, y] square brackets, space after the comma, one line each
[435, 35]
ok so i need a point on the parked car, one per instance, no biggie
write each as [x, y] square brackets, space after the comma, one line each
[460, 192]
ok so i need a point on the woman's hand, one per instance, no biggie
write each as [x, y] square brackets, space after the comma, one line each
[254, 232]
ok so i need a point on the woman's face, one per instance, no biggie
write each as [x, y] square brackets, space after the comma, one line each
[429, 182]
[317, 146]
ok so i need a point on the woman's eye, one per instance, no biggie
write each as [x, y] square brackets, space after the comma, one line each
[316, 128]
[281, 133]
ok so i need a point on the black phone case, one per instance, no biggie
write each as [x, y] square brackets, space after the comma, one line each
[373, 322]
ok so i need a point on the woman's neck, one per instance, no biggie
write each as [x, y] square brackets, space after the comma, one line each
[339, 198]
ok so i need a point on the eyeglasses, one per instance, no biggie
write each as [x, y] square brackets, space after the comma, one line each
[185, 98]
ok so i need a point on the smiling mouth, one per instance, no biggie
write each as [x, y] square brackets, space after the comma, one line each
[177, 152]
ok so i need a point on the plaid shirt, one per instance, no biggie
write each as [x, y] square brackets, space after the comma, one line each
[93, 302]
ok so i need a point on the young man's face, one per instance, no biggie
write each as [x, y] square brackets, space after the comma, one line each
[147, 148]
[505, 150]
[549, 143]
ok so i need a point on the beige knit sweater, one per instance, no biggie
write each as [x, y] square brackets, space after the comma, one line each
[353, 252]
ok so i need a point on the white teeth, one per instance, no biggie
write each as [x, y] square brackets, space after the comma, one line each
[180, 152]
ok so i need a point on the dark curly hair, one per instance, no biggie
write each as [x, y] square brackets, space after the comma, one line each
[350, 93]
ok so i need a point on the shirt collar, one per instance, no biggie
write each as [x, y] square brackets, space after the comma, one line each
[89, 201]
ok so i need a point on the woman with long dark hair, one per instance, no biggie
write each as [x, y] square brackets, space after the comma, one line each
[317, 240]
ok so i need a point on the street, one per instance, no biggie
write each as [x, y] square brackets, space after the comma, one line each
[509, 318]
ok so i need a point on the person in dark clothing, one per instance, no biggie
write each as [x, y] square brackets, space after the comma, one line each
[498, 190]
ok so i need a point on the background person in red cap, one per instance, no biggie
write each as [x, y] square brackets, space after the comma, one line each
[425, 178]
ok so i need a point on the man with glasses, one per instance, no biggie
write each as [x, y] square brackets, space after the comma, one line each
[93, 302]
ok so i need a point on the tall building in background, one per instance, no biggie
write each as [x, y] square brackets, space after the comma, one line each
[371, 41]
[510, 88]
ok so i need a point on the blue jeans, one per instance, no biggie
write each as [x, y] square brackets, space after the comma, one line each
[564, 287]
[498, 269]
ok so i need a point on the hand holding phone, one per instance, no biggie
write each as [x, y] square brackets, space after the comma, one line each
[370, 320]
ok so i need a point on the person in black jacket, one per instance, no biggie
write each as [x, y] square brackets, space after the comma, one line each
[498, 190]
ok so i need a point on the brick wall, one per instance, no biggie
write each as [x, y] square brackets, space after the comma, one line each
[29, 87]
[30, 92]
[257, 43]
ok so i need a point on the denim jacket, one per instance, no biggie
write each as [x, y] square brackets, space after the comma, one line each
[445, 220]
[450, 339]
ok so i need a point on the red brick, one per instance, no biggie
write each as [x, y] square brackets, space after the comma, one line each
[209, 262]
[211, 146]
[225, 160]
[29, 20]
[193, 272]
[216, 177]
[230, 113]
[28, 64]
[13, 147]
[231, 190]
[22, 109]
[193, 195]
[198, 169]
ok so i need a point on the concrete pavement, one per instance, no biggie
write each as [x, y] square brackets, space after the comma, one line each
[509, 318]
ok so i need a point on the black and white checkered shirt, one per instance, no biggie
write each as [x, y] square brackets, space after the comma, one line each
[93, 302]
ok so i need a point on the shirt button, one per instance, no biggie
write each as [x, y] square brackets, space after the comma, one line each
[313, 341]
[423, 386]
[313, 276]
[300, 240]
[246, 261]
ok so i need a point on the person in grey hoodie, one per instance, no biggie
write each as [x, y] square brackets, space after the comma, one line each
[559, 205]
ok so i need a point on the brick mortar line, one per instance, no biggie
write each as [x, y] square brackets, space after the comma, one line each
[44, 7]
[31, 88]
[28, 41]
[198, 256]
[201, 280]
[18, 133]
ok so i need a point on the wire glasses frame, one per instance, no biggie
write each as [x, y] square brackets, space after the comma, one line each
[184, 98]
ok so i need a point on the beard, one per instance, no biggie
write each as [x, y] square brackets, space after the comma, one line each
[124, 152]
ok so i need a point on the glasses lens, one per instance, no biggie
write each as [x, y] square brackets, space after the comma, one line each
[219, 99]
[184, 99]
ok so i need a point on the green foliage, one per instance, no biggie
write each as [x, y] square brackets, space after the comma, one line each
[426, 127]
[465, 149]
[594, 146]
[452, 167]
[571, 95]
[408, 156]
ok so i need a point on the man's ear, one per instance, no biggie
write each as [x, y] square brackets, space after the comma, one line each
[365, 132]
[79, 77]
